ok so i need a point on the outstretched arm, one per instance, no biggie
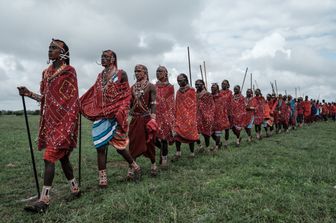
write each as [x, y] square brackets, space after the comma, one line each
[23, 91]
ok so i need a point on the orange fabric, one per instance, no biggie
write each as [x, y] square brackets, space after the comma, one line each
[306, 108]
[52, 154]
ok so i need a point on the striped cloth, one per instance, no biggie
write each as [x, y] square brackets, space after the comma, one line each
[103, 131]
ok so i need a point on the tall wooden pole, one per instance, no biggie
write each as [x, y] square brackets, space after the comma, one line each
[201, 72]
[244, 80]
[189, 66]
[205, 75]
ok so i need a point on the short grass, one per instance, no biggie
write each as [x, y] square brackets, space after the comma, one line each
[285, 178]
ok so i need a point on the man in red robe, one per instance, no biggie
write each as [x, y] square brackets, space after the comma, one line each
[307, 110]
[226, 93]
[143, 126]
[259, 112]
[205, 113]
[59, 120]
[185, 128]
[107, 104]
[268, 116]
[250, 103]
[220, 119]
[300, 112]
[238, 113]
[165, 110]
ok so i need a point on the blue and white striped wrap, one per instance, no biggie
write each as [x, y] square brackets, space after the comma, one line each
[103, 131]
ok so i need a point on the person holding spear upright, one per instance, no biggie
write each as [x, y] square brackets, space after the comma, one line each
[59, 120]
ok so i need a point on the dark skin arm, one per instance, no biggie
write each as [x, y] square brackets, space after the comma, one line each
[23, 91]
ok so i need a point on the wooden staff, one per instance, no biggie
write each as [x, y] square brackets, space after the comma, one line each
[244, 80]
[80, 149]
[295, 93]
[251, 81]
[276, 87]
[205, 75]
[189, 67]
[31, 147]
[273, 91]
[201, 72]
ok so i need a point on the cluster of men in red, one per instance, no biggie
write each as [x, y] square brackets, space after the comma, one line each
[158, 117]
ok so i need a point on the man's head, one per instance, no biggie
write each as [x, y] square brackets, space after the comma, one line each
[225, 85]
[269, 97]
[141, 72]
[236, 89]
[200, 85]
[108, 58]
[182, 80]
[214, 88]
[257, 92]
[58, 50]
[162, 74]
[249, 93]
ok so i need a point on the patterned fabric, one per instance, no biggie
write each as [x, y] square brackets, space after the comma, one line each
[107, 104]
[142, 135]
[249, 115]
[186, 115]
[103, 131]
[227, 108]
[165, 110]
[59, 108]
[259, 110]
[221, 120]
[238, 111]
[205, 113]
[110, 101]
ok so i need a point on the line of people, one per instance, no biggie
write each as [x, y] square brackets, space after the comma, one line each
[158, 117]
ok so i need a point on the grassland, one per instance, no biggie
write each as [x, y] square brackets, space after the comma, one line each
[285, 178]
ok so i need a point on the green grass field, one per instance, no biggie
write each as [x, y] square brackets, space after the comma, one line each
[285, 178]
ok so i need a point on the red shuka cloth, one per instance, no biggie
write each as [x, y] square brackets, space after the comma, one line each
[306, 108]
[259, 110]
[115, 102]
[221, 120]
[142, 128]
[165, 111]
[300, 108]
[249, 102]
[186, 116]
[59, 108]
[227, 108]
[238, 111]
[205, 113]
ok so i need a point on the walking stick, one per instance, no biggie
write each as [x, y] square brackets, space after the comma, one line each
[201, 72]
[31, 147]
[80, 150]
[205, 75]
[189, 66]
[244, 80]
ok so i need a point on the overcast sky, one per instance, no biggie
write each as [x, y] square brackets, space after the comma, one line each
[290, 41]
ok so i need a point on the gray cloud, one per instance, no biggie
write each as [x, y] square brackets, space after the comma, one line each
[291, 41]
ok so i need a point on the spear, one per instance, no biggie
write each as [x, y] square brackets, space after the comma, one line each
[205, 75]
[201, 72]
[276, 87]
[251, 81]
[189, 67]
[273, 91]
[295, 93]
[244, 79]
[31, 147]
